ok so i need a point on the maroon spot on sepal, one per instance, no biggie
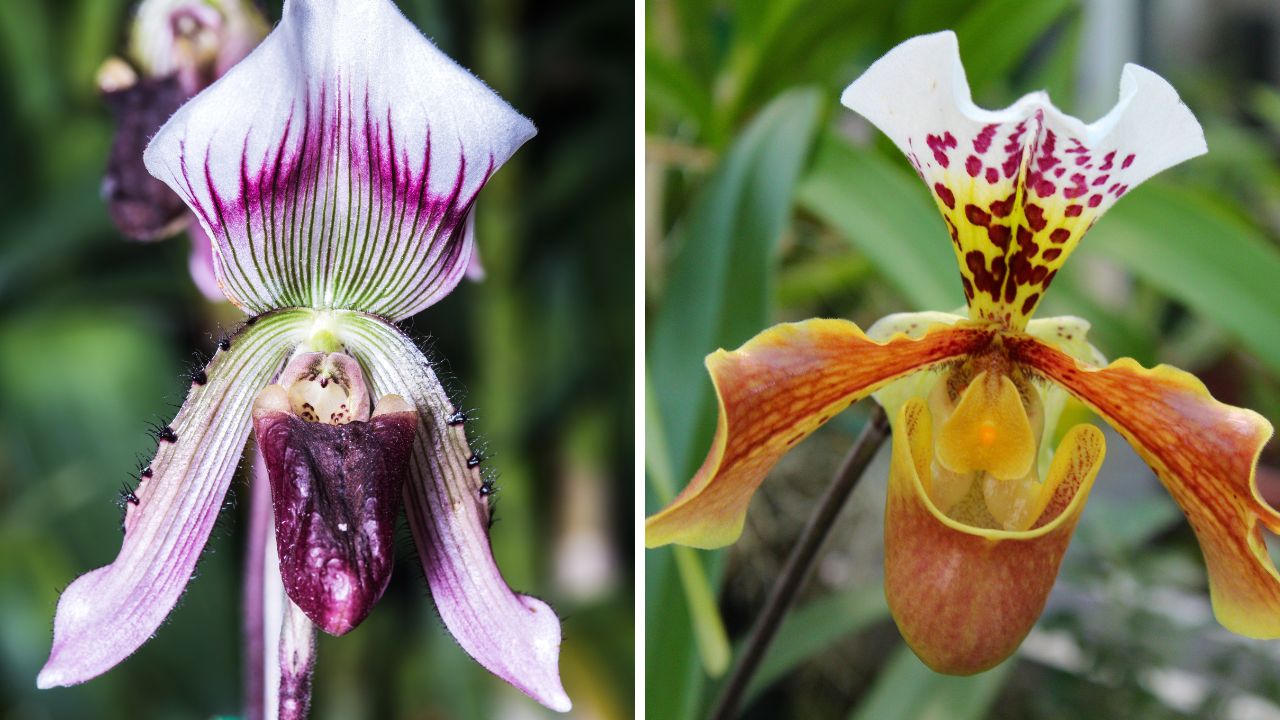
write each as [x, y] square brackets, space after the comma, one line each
[973, 165]
[944, 193]
[1073, 210]
[336, 492]
[1035, 217]
[1002, 208]
[977, 215]
[1127, 161]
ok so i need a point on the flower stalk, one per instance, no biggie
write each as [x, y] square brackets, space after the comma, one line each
[800, 563]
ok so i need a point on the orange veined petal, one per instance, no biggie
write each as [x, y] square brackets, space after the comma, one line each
[1017, 187]
[774, 391]
[1205, 452]
[965, 596]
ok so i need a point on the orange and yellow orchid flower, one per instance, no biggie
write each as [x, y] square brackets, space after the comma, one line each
[980, 509]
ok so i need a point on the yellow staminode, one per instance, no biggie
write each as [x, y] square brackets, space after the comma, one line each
[989, 430]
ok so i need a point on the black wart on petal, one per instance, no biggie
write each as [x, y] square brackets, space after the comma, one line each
[336, 491]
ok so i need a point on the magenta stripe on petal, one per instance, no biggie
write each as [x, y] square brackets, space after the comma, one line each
[347, 179]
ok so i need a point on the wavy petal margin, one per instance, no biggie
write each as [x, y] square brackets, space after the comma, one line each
[108, 613]
[965, 597]
[516, 637]
[1205, 452]
[1017, 187]
[773, 392]
[336, 165]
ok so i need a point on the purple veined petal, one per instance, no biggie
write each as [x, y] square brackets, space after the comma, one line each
[346, 174]
[106, 614]
[516, 637]
[200, 263]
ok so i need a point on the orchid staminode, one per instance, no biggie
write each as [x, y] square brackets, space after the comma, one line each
[336, 170]
[980, 508]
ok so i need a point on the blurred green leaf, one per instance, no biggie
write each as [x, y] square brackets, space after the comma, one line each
[670, 88]
[815, 627]
[907, 690]
[996, 35]
[1184, 244]
[719, 293]
[884, 212]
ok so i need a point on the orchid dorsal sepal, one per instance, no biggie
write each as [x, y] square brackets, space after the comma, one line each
[1017, 187]
[352, 184]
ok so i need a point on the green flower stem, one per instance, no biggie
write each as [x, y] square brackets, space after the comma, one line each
[801, 561]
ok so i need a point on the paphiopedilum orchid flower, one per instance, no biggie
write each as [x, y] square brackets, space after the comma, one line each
[336, 169]
[176, 48]
[979, 509]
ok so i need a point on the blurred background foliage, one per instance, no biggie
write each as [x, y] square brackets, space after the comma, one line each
[95, 333]
[766, 202]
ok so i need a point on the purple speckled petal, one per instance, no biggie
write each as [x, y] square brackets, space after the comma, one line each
[516, 637]
[108, 613]
[336, 165]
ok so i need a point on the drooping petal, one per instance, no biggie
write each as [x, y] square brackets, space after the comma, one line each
[1017, 187]
[773, 392]
[1205, 453]
[108, 613]
[516, 637]
[336, 165]
[964, 597]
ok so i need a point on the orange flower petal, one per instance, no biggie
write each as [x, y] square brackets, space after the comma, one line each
[775, 390]
[964, 597]
[1205, 453]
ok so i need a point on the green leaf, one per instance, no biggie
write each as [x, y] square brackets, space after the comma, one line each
[718, 293]
[814, 628]
[1192, 249]
[884, 212]
[907, 690]
[996, 35]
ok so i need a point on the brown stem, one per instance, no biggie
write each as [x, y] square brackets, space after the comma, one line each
[800, 562]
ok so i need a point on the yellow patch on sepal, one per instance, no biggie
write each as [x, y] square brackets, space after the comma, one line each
[989, 431]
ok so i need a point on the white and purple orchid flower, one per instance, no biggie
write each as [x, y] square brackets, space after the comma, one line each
[336, 170]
